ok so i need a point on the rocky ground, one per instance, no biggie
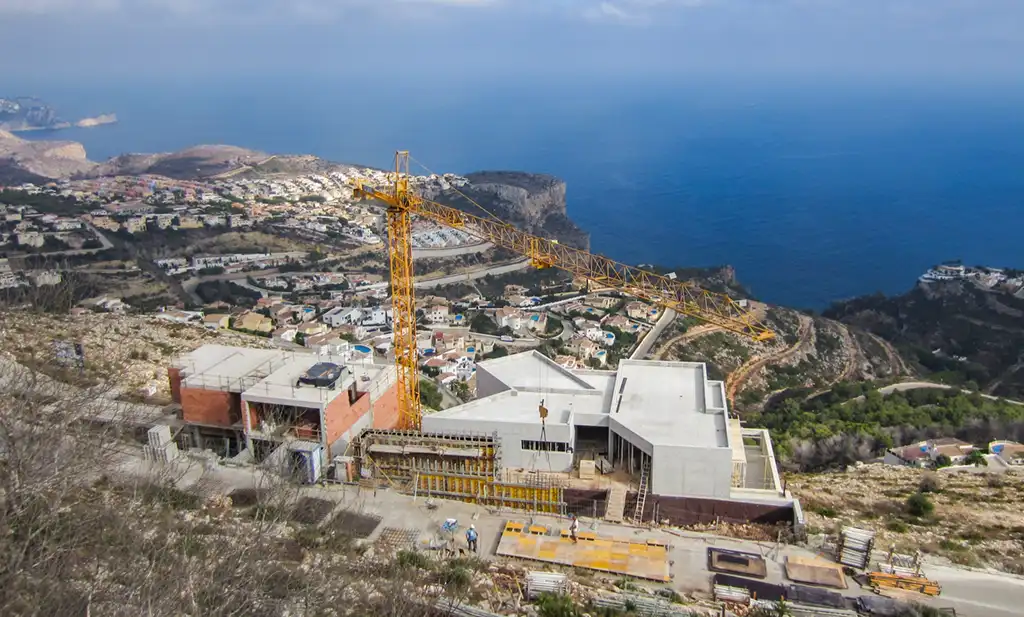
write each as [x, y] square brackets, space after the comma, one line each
[978, 516]
[136, 348]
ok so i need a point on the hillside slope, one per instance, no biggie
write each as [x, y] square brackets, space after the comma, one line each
[953, 331]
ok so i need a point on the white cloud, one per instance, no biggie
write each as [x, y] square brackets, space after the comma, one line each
[606, 11]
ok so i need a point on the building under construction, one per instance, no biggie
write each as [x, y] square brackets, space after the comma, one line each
[650, 439]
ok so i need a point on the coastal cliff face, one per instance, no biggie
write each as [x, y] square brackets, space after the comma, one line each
[532, 202]
[47, 159]
[533, 196]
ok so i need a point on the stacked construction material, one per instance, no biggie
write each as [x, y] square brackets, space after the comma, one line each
[538, 583]
[919, 584]
[854, 547]
[161, 448]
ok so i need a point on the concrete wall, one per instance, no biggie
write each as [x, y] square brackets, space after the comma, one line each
[487, 384]
[699, 511]
[512, 435]
[212, 407]
[691, 472]
[174, 377]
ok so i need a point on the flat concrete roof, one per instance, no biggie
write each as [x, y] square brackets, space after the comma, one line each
[518, 406]
[279, 387]
[662, 403]
[533, 369]
[229, 368]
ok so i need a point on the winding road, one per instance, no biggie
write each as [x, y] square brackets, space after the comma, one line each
[736, 379]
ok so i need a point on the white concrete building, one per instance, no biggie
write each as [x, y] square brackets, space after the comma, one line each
[665, 414]
[342, 316]
[437, 313]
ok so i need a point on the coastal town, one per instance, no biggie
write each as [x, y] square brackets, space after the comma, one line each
[302, 299]
[256, 321]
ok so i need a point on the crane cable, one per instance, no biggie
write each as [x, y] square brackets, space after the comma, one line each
[464, 196]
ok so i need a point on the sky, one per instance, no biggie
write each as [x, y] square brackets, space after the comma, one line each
[377, 41]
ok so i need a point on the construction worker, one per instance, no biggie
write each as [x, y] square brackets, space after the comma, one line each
[574, 528]
[471, 538]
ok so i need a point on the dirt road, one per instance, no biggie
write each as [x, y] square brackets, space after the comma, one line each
[738, 378]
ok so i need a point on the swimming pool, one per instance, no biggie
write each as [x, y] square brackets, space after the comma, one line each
[362, 349]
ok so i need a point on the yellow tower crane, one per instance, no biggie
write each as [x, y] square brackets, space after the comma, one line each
[402, 203]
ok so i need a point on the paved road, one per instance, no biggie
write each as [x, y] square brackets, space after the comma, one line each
[472, 275]
[918, 385]
[647, 344]
[433, 253]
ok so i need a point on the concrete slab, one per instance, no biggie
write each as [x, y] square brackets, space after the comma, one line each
[815, 572]
[646, 559]
[736, 562]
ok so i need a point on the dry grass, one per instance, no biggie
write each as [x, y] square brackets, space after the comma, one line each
[978, 517]
[244, 241]
[139, 347]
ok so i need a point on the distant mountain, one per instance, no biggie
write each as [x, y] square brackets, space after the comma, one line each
[32, 114]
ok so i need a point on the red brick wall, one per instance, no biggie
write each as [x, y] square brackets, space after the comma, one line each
[174, 376]
[206, 406]
[385, 409]
[340, 416]
[253, 418]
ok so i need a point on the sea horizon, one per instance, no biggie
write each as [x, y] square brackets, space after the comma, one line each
[812, 196]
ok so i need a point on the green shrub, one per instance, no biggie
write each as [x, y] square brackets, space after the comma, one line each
[897, 526]
[412, 559]
[825, 511]
[920, 505]
[456, 578]
[551, 605]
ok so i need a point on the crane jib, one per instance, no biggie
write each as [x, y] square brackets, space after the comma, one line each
[684, 297]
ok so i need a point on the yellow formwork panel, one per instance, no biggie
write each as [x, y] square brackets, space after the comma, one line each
[596, 552]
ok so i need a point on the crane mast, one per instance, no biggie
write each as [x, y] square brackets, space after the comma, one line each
[403, 300]
[682, 296]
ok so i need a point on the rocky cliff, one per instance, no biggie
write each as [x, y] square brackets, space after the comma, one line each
[48, 159]
[532, 202]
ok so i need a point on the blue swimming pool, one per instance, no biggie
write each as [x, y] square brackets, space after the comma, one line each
[362, 349]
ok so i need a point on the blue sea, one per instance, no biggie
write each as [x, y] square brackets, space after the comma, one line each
[813, 192]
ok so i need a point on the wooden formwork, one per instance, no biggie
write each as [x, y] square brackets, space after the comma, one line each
[462, 467]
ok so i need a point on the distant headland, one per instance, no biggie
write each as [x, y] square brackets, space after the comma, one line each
[32, 114]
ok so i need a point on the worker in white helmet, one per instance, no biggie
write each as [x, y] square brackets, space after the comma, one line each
[471, 538]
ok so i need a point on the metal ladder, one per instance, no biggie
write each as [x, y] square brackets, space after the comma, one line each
[641, 498]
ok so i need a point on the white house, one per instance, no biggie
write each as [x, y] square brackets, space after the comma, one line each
[377, 318]
[437, 313]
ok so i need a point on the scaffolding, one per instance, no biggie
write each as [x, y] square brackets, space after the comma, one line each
[458, 466]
